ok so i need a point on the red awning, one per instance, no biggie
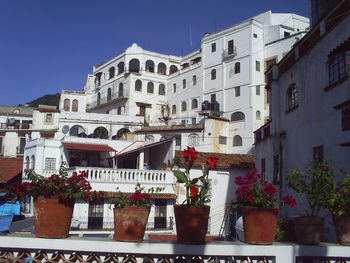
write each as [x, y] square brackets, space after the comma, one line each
[88, 147]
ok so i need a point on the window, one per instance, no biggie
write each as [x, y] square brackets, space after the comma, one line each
[336, 68]
[184, 106]
[109, 94]
[111, 72]
[134, 65]
[162, 69]
[173, 69]
[22, 145]
[345, 118]
[257, 66]
[32, 162]
[263, 166]
[75, 105]
[237, 91]
[138, 85]
[178, 140]
[150, 87]
[173, 109]
[194, 121]
[95, 216]
[161, 89]
[194, 80]
[193, 140]
[276, 168]
[258, 115]
[237, 116]
[213, 47]
[222, 140]
[230, 47]
[142, 111]
[50, 164]
[292, 97]
[237, 141]
[149, 66]
[318, 153]
[257, 90]
[119, 110]
[120, 67]
[212, 98]
[49, 118]
[194, 104]
[160, 215]
[286, 34]
[174, 87]
[66, 105]
[98, 80]
[213, 74]
[255, 35]
[237, 67]
[184, 83]
[98, 102]
[120, 90]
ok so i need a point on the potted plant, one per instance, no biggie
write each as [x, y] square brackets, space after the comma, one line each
[339, 205]
[192, 216]
[314, 185]
[54, 199]
[258, 200]
[131, 211]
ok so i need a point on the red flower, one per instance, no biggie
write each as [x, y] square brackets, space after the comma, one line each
[212, 162]
[270, 189]
[289, 200]
[190, 155]
[194, 191]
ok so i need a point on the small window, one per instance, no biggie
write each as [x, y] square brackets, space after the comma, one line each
[318, 153]
[162, 69]
[49, 118]
[173, 109]
[50, 164]
[149, 66]
[258, 115]
[213, 47]
[75, 105]
[222, 140]
[213, 74]
[98, 101]
[194, 104]
[22, 144]
[109, 94]
[230, 47]
[184, 83]
[178, 140]
[257, 90]
[237, 67]
[111, 72]
[121, 90]
[161, 89]
[119, 110]
[292, 97]
[174, 87]
[121, 67]
[336, 68]
[237, 116]
[134, 65]
[237, 141]
[237, 91]
[98, 80]
[32, 162]
[194, 121]
[286, 34]
[255, 35]
[150, 87]
[193, 140]
[194, 80]
[184, 106]
[138, 85]
[66, 105]
[173, 69]
[257, 66]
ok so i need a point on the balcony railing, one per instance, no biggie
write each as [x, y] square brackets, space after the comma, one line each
[104, 101]
[26, 248]
[18, 126]
[229, 53]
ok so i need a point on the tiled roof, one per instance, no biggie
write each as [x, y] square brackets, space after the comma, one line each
[88, 147]
[153, 196]
[239, 161]
[10, 168]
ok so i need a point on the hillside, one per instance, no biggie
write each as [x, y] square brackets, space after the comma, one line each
[48, 99]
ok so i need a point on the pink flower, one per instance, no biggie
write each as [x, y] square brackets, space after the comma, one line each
[289, 200]
[269, 189]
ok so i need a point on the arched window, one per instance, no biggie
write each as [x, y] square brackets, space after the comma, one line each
[134, 65]
[194, 104]
[149, 139]
[121, 67]
[193, 140]
[258, 115]
[150, 87]
[237, 67]
[75, 105]
[173, 109]
[77, 131]
[122, 134]
[213, 74]
[98, 99]
[111, 72]
[138, 85]
[32, 162]
[161, 89]
[66, 105]
[173, 69]
[149, 66]
[184, 106]
[237, 116]
[292, 97]
[237, 140]
[120, 90]
[109, 94]
[162, 68]
[101, 132]
[26, 165]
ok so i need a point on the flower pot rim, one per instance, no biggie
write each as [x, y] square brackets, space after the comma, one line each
[255, 207]
[305, 216]
[180, 205]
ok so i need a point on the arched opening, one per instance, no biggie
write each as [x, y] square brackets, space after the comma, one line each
[138, 85]
[173, 69]
[122, 134]
[149, 66]
[150, 87]
[162, 68]
[101, 132]
[121, 67]
[66, 105]
[194, 104]
[75, 105]
[109, 94]
[161, 90]
[111, 72]
[77, 131]
[120, 90]
[237, 140]
[134, 65]
[237, 116]
[184, 106]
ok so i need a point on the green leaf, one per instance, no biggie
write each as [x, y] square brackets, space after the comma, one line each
[181, 176]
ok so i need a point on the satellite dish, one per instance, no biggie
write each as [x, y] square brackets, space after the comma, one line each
[65, 129]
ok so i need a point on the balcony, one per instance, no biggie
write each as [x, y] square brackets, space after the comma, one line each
[121, 96]
[26, 248]
[16, 126]
[228, 54]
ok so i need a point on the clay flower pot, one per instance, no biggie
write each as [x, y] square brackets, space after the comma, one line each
[52, 218]
[309, 229]
[342, 229]
[259, 225]
[130, 223]
[191, 223]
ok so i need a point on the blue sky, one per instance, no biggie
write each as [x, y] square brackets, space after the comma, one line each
[50, 45]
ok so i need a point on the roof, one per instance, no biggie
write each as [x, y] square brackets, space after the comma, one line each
[170, 128]
[239, 161]
[10, 110]
[138, 146]
[88, 147]
[10, 168]
[153, 195]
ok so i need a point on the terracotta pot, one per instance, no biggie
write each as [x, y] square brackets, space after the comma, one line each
[52, 218]
[342, 229]
[259, 224]
[309, 229]
[191, 223]
[130, 223]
